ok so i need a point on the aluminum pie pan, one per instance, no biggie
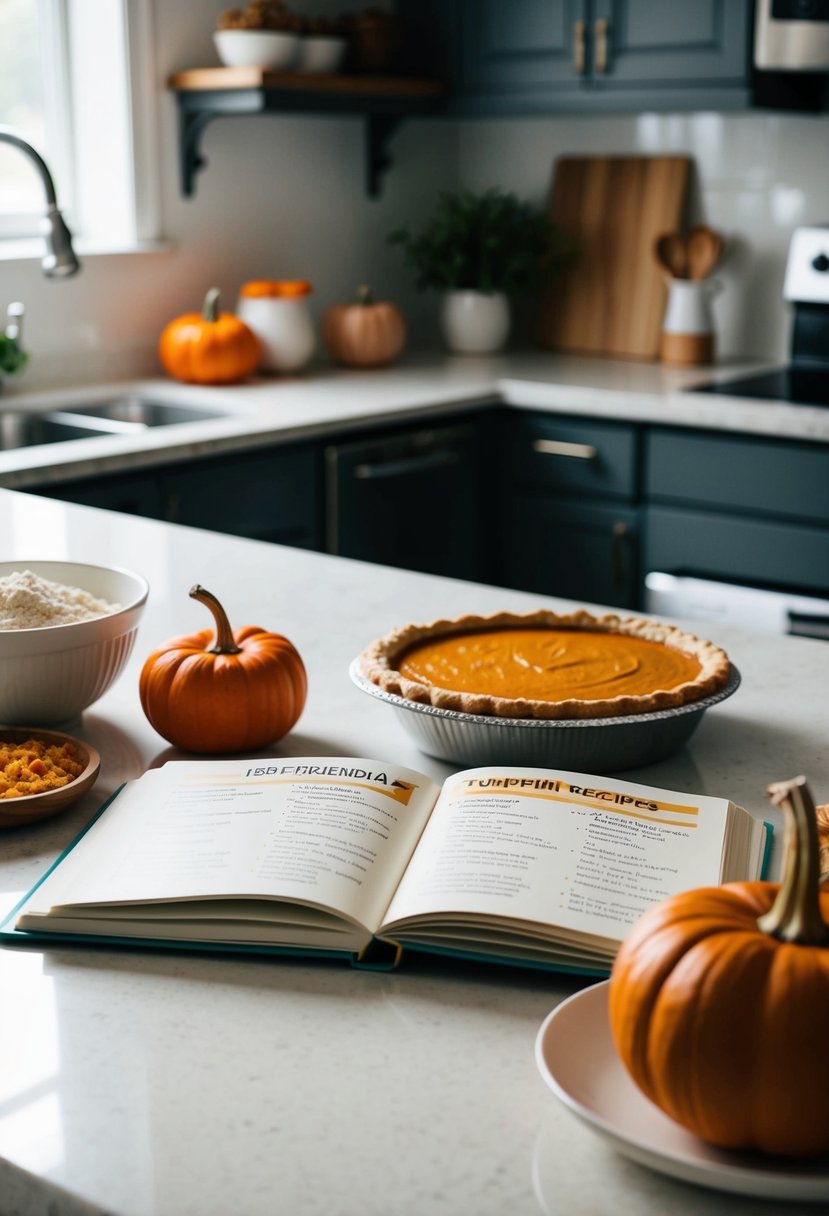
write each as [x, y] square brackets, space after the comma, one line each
[588, 745]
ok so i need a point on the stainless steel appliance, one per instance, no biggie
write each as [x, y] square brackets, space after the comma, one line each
[805, 380]
[752, 608]
[792, 35]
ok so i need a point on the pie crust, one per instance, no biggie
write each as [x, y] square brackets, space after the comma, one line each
[381, 661]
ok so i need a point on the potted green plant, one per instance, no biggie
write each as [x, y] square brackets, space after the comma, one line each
[479, 249]
[13, 357]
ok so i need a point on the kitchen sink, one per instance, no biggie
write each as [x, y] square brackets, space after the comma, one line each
[21, 430]
[119, 416]
[135, 411]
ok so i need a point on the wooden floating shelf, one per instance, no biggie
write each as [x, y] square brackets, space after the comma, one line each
[203, 94]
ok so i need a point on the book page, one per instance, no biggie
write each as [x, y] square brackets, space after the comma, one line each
[333, 833]
[585, 853]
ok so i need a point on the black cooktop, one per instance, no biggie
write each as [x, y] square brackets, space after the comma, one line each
[798, 385]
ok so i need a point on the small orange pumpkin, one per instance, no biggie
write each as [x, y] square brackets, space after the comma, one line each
[719, 1002]
[210, 347]
[245, 691]
[365, 333]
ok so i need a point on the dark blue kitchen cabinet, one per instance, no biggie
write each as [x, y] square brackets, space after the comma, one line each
[544, 56]
[578, 507]
[274, 495]
[569, 508]
[128, 493]
[733, 508]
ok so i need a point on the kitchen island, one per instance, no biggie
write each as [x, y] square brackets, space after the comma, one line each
[142, 1083]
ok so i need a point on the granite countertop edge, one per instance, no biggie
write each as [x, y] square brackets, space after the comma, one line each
[326, 401]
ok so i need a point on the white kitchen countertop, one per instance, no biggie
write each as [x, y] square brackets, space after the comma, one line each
[139, 1083]
[327, 400]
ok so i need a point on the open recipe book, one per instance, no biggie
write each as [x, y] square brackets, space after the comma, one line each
[333, 856]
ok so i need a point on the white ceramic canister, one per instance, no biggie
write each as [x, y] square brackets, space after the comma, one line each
[277, 311]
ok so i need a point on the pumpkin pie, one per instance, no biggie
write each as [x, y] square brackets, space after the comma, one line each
[546, 665]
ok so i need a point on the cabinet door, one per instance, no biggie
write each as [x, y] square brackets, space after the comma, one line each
[407, 499]
[736, 549]
[749, 475]
[545, 56]
[131, 494]
[587, 553]
[528, 49]
[568, 456]
[273, 496]
[651, 44]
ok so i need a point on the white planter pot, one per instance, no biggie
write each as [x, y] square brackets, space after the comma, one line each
[474, 323]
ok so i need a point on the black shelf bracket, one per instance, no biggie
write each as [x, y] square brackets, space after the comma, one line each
[383, 114]
[191, 126]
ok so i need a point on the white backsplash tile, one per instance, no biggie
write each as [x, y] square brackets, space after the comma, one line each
[757, 176]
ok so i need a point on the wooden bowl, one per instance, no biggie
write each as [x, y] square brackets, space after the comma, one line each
[17, 812]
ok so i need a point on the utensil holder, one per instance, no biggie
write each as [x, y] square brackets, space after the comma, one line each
[687, 336]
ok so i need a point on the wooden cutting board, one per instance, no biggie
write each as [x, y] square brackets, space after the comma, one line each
[610, 299]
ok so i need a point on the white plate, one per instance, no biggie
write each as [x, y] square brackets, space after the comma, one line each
[575, 1055]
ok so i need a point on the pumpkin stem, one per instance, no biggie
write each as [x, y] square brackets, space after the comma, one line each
[224, 643]
[210, 308]
[795, 915]
[364, 295]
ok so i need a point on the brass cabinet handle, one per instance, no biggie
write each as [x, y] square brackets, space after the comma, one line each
[558, 447]
[579, 48]
[601, 56]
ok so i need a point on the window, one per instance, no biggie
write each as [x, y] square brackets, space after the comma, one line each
[76, 83]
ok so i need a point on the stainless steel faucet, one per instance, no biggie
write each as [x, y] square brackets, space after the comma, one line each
[60, 261]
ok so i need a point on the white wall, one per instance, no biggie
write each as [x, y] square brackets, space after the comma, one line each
[283, 197]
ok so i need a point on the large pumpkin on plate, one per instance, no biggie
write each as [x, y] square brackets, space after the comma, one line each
[209, 347]
[246, 690]
[365, 333]
[719, 1002]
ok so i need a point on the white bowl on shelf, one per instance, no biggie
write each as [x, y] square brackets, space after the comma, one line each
[49, 675]
[272, 50]
[320, 53]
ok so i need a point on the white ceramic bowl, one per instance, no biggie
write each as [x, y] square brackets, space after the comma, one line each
[320, 53]
[271, 49]
[49, 675]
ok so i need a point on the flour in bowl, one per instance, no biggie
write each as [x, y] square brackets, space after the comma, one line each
[28, 601]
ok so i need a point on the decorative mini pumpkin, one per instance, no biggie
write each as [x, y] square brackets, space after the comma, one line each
[719, 1002]
[244, 691]
[210, 347]
[365, 333]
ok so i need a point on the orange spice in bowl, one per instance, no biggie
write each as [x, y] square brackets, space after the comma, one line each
[42, 773]
[35, 766]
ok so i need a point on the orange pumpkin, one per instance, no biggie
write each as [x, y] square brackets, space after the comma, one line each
[210, 347]
[246, 690]
[365, 333]
[719, 1003]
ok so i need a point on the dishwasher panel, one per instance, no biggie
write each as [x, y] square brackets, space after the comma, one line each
[407, 499]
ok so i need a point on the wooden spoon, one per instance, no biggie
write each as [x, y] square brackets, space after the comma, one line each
[672, 254]
[704, 250]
